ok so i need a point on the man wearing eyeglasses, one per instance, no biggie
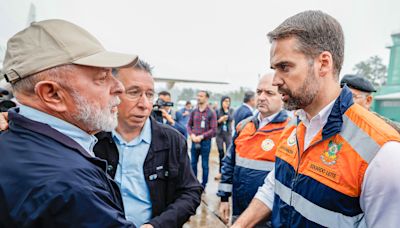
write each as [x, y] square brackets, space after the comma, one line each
[362, 90]
[148, 159]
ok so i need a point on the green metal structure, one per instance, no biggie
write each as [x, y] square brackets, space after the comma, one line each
[387, 99]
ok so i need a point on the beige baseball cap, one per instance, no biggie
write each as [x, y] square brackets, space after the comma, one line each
[51, 43]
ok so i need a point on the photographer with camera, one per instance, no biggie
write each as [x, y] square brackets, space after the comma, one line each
[163, 113]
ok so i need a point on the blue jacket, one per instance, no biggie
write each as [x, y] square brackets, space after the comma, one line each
[241, 113]
[183, 120]
[48, 180]
[240, 181]
[178, 126]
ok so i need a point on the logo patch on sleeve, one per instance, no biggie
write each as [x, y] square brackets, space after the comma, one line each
[267, 144]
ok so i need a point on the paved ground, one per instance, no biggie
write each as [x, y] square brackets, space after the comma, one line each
[207, 212]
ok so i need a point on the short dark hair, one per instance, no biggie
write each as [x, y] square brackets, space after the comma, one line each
[205, 91]
[164, 93]
[316, 32]
[140, 65]
[188, 103]
[248, 95]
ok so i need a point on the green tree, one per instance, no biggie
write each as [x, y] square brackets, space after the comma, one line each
[187, 94]
[373, 69]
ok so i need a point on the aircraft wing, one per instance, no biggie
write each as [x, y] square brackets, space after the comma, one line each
[159, 79]
[171, 81]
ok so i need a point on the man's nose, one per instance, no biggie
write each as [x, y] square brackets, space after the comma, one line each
[277, 80]
[117, 88]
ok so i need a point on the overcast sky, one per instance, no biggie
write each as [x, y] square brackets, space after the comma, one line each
[209, 39]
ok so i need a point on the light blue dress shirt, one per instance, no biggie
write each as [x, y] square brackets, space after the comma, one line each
[84, 139]
[130, 177]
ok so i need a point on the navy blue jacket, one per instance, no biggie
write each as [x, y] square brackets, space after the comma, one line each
[244, 181]
[241, 113]
[48, 180]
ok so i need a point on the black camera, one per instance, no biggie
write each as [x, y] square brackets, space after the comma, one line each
[5, 100]
[160, 103]
[156, 113]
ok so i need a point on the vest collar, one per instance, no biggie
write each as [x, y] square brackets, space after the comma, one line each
[335, 118]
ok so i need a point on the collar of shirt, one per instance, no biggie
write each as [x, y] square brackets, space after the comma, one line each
[266, 120]
[251, 108]
[198, 109]
[84, 139]
[316, 123]
[130, 175]
[145, 136]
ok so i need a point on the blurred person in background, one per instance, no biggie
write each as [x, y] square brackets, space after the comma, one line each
[252, 154]
[247, 108]
[202, 127]
[183, 115]
[224, 130]
[362, 90]
[163, 106]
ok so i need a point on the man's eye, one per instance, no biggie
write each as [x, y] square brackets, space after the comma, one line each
[150, 95]
[133, 93]
[103, 75]
[284, 67]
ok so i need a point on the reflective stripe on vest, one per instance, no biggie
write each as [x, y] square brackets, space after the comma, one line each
[225, 187]
[254, 164]
[362, 143]
[315, 213]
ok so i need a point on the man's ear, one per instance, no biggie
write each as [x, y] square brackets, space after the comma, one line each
[368, 101]
[52, 95]
[325, 63]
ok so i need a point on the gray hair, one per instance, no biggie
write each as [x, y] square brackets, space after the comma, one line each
[316, 32]
[140, 65]
[56, 74]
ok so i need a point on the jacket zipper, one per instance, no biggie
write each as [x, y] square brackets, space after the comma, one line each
[295, 179]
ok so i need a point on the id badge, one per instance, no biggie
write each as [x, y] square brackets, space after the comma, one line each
[203, 124]
[224, 128]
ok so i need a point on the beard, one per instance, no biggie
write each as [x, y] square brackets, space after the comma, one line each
[304, 95]
[93, 117]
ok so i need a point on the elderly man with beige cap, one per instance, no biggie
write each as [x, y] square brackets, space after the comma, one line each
[49, 177]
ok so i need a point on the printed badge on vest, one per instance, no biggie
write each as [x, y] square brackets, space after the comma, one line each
[329, 157]
[267, 144]
[291, 141]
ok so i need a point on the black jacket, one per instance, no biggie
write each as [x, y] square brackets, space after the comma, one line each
[174, 191]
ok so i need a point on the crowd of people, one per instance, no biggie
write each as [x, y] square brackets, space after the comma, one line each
[89, 145]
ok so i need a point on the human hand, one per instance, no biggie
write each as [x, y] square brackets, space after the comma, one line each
[235, 225]
[224, 211]
[146, 226]
[167, 116]
[199, 138]
[193, 137]
[3, 121]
